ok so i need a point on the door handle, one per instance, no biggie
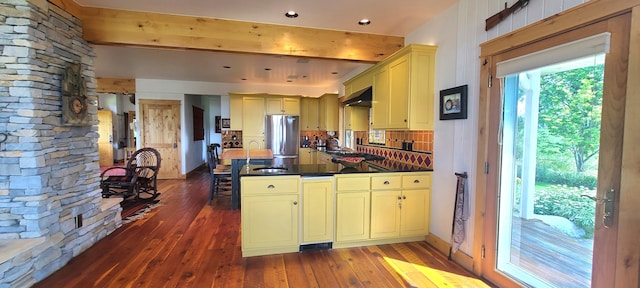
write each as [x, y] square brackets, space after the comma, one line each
[608, 200]
[175, 145]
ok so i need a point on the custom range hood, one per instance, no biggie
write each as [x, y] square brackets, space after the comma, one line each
[360, 98]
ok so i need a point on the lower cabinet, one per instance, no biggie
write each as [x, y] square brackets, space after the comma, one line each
[317, 210]
[279, 213]
[392, 207]
[270, 215]
[352, 216]
[307, 156]
[353, 207]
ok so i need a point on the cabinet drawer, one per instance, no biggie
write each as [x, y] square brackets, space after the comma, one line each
[270, 185]
[352, 183]
[416, 181]
[386, 182]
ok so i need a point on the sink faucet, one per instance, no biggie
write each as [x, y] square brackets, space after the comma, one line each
[249, 148]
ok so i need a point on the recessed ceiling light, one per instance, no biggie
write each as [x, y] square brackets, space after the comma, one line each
[291, 14]
[364, 22]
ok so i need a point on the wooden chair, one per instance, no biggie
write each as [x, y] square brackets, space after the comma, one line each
[137, 178]
[219, 174]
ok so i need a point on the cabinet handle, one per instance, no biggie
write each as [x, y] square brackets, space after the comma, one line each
[295, 202]
[271, 186]
[405, 120]
[416, 181]
[386, 183]
[404, 197]
[399, 198]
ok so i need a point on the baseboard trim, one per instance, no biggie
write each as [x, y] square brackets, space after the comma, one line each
[459, 257]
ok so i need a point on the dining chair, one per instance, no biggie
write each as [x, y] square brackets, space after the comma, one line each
[220, 175]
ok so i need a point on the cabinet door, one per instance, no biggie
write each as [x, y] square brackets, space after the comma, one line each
[309, 114]
[270, 221]
[356, 118]
[385, 214]
[324, 158]
[291, 105]
[399, 72]
[317, 209]
[415, 212]
[235, 112]
[305, 156]
[253, 117]
[352, 216]
[380, 105]
[274, 105]
[329, 112]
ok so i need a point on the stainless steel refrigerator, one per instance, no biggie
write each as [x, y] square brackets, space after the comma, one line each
[282, 136]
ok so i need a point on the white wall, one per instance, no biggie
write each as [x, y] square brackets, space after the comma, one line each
[458, 32]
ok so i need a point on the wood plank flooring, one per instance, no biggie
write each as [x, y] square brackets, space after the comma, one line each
[186, 243]
[553, 256]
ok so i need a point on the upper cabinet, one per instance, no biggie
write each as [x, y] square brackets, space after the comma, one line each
[309, 114]
[289, 105]
[403, 89]
[356, 118]
[329, 112]
[235, 111]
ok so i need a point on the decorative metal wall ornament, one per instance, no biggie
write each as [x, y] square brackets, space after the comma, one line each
[74, 97]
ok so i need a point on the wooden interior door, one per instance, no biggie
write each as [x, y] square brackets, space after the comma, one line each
[160, 129]
[105, 142]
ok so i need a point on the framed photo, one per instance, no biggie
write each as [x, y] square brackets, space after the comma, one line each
[217, 122]
[226, 123]
[453, 103]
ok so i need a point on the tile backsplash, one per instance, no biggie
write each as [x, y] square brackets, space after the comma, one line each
[231, 139]
[421, 144]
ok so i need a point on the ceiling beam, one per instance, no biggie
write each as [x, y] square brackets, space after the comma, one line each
[121, 27]
[116, 85]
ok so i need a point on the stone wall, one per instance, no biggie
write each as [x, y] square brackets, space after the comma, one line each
[48, 172]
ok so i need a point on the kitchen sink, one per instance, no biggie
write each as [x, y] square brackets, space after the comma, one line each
[271, 169]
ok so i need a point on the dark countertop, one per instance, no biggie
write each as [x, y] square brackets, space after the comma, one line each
[371, 166]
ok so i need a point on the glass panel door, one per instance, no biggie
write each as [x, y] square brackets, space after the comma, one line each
[550, 137]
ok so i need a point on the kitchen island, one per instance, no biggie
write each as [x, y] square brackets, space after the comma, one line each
[289, 209]
[238, 158]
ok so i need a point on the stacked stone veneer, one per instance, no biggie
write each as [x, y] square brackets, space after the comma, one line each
[48, 172]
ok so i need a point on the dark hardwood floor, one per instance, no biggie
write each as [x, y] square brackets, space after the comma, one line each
[186, 243]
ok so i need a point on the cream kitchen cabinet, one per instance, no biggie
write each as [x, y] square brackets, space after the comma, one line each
[353, 208]
[307, 156]
[356, 118]
[328, 112]
[323, 158]
[317, 210]
[403, 89]
[289, 105]
[253, 114]
[309, 114]
[270, 215]
[385, 205]
[416, 204]
[235, 111]
[400, 205]
[380, 104]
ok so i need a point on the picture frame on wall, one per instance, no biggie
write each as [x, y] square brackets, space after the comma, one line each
[453, 103]
[217, 123]
[226, 123]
